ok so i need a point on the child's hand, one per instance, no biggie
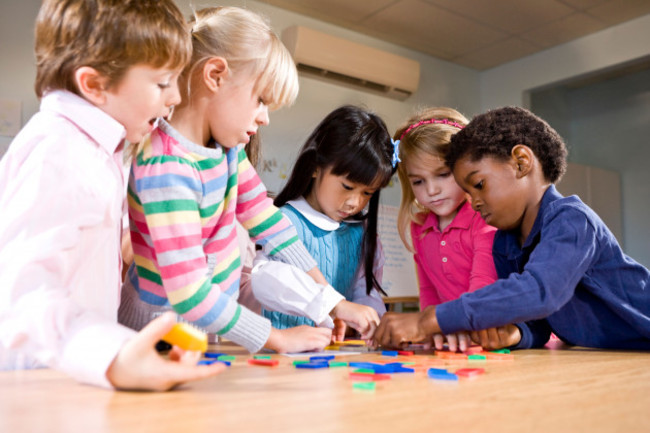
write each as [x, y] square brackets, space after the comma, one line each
[299, 339]
[459, 341]
[497, 338]
[139, 366]
[338, 333]
[360, 317]
[401, 329]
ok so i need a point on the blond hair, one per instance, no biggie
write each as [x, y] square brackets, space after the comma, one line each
[417, 139]
[108, 35]
[249, 45]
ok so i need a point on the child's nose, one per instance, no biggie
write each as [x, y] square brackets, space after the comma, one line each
[263, 116]
[174, 96]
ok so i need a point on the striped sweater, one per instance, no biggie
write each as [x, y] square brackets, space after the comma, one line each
[183, 201]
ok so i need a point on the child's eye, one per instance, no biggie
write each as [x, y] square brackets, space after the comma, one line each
[416, 182]
[445, 174]
[261, 101]
[164, 85]
[346, 187]
[479, 185]
[368, 193]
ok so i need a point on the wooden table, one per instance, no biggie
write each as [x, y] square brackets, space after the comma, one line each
[553, 390]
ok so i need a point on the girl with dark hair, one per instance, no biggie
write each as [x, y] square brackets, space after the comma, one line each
[332, 198]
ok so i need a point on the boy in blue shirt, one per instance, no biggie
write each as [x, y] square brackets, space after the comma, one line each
[560, 268]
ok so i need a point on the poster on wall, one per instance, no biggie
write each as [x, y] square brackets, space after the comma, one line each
[399, 269]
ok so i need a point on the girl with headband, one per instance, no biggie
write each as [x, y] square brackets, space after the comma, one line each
[450, 242]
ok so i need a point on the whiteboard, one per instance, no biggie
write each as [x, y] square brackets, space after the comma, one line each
[399, 268]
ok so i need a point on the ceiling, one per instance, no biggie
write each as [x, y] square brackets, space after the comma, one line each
[479, 34]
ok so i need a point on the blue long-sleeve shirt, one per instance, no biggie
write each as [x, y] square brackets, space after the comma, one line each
[570, 278]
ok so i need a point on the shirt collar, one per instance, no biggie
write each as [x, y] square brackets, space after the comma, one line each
[550, 195]
[462, 220]
[99, 125]
[318, 219]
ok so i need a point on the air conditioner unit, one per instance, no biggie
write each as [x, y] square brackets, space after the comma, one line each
[351, 64]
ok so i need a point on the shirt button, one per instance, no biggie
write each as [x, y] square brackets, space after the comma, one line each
[443, 243]
[444, 259]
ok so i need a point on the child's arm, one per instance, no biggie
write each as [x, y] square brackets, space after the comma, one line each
[282, 287]
[287, 289]
[266, 224]
[165, 209]
[483, 271]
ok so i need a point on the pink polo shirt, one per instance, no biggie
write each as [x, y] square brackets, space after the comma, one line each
[454, 261]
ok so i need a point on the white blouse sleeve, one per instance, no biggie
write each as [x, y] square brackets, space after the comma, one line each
[285, 288]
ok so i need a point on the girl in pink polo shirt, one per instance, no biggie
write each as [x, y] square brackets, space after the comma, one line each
[451, 244]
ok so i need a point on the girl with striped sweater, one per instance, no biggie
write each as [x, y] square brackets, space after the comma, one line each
[191, 180]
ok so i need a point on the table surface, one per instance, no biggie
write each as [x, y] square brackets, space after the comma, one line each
[555, 389]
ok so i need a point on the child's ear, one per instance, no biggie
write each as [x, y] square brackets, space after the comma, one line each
[214, 72]
[523, 157]
[91, 84]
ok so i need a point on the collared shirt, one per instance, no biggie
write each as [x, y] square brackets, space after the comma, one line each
[570, 277]
[62, 196]
[455, 260]
[283, 288]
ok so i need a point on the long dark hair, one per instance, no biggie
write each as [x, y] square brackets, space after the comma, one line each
[354, 143]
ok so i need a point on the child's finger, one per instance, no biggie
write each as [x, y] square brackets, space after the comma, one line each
[157, 328]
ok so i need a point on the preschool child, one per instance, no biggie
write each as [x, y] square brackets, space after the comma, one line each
[451, 244]
[332, 198]
[191, 180]
[105, 68]
[560, 268]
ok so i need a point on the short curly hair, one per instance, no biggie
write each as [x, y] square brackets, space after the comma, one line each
[495, 132]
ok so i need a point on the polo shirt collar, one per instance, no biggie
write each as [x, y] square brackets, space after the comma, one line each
[462, 220]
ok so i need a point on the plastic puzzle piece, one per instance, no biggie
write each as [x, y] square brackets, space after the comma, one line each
[321, 358]
[368, 377]
[451, 355]
[469, 372]
[501, 351]
[364, 386]
[441, 374]
[476, 357]
[389, 352]
[214, 355]
[265, 362]
[187, 337]
[405, 352]
[312, 365]
[261, 356]
[472, 350]
[226, 358]
[337, 364]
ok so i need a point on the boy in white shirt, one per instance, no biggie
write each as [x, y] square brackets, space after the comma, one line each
[62, 193]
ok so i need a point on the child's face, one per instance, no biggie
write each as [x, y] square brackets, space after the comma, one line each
[144, 94]
[237, 111]
[337, 197]
[434, 186]
[495, 189]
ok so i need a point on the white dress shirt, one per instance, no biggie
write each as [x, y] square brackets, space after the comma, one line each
[61, 202]
[285, 288]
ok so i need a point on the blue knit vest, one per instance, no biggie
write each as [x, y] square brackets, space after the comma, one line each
[337, 254]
